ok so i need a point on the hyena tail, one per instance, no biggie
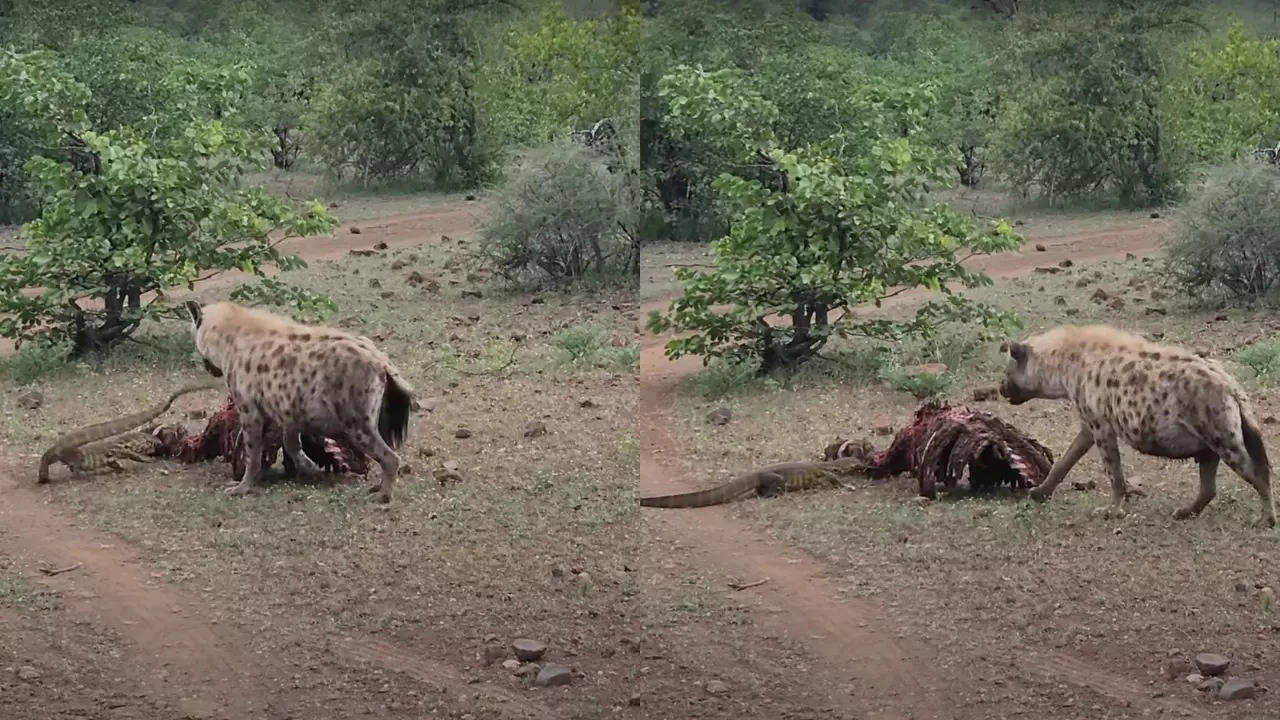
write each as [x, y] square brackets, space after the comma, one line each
[393, 417]
[1253, 444]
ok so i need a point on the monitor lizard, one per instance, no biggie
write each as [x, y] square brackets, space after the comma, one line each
[80, 450]
[766, 481]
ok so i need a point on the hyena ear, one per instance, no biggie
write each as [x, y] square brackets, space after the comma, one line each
[1019, 351]
[193, 309]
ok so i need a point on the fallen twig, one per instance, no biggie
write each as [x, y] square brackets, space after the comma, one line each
[58, 571]
[744, 586]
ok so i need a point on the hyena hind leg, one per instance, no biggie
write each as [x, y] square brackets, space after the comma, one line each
[1207, 463]
[1259, 478]
[368, 441]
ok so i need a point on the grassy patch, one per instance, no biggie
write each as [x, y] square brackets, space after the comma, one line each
[1263, 359]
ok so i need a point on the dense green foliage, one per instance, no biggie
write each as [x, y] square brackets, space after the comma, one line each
[1227, 238]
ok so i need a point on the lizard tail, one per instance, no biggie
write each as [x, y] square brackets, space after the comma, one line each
[703, 498]
[107, 429]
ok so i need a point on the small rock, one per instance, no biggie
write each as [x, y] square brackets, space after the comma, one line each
[553, 674]
[1156, 310]
[528, 669]
[1048, 269]
[983, 394]
[1212, 663]
[28, 673]
[715, 687]
[1059, 300]
[1072, 311]
[471, 294]
[1269, 420]
[1155, 214]
[536, 429]
[399, 265]
[1018, 223]
[387, 294]
[1084, 485]
[511, 665]
[375, 283]
[883, 430]
[1040, 247]
[720, 416]
[1194, 678]
[462, 433]
[471, 198]
[355, 230]
[1116, 303]
[634, 700]
[1066, 263]
[360, 252]
[528, 650]
[380, 246]
[198, 414]
[31, 399]
[415, 278]
[1099, 295]
[586, 403]
[1130, 256]
[583, 581]
[1236, 689]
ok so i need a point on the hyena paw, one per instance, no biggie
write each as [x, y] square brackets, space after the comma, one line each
[239, 489]
[1184, 513]
[1038, 494]
[1264, 522]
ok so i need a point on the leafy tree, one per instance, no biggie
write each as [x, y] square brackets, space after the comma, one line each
[1225, 100]
[1088, 115]
[152, 215]
[41, 108]
[838, 234]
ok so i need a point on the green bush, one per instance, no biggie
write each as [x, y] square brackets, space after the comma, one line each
[560, 215]
[1226, 240]
[1264, 360]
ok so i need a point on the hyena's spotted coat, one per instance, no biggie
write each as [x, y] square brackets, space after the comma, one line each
[306, 379]
[1160, 400]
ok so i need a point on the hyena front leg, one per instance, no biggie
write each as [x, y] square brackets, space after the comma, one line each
[1079, 446]
[251, 427]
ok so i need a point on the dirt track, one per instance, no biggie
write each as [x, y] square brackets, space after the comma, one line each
[206, 670]
[892, 677]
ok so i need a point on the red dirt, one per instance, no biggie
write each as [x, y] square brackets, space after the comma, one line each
[895, 678]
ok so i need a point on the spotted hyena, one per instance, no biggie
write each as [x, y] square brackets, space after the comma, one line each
[1160, 400]
[305, 379]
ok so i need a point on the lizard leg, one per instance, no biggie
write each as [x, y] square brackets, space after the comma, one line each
[293, 447]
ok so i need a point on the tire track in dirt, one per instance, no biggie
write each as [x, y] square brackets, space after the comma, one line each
[893, 674]
[206, 671]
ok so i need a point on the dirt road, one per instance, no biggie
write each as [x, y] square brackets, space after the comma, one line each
[892, 678]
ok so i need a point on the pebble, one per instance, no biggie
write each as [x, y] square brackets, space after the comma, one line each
[553, 674]
[26, 672]
[1212, 663]
[716, 687]
[720, 416]
[31, 399]
[1236, 689]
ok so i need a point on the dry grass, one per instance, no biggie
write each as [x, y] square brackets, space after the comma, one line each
[997, 580]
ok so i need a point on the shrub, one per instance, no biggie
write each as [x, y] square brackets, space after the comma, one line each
[561, 215]
[1227, 239]
[1264, 360]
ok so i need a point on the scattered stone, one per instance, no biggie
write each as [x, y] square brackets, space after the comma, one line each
[1048, 269]
[360, 252]
[536, 429]
[1195, 678]
[1072, 311]
[1155, 214]
[387, 294]
[1099, 295]
[1082, 282]
[1066, 263]
[380, 246]
[431, 286]
[716, 687]
[414, 278]
[553, 674]
[28, 673]
[511, 665]
[883, 430]
[720, 416]
[375, 283]
[197, 414]
[983, 394]
[355, 230]
[471, 198]
[1084, 485]
[1018, 223]
[1212, 663]
[1156, 310]
[1040, 247]
[471, 294]
[1157, 295]
[1059, 300]
[634, 700]
[528, 669]
[1116, 303]
[586, 403]
[31, 399]
[1237, 689]
[462, 433]
[528, 650]
[1203, 351]
[1130, 256]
